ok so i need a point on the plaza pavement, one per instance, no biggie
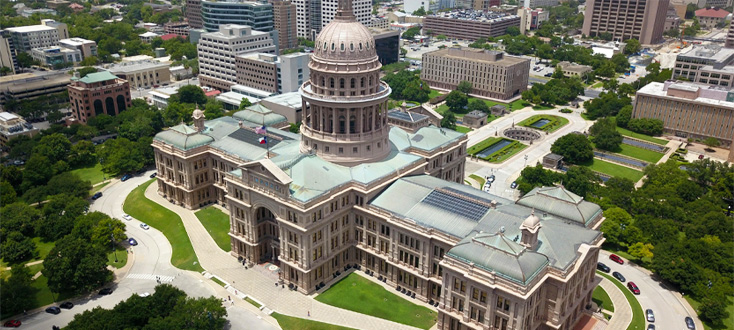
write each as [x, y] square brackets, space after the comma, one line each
[622, 315]
[263, 287]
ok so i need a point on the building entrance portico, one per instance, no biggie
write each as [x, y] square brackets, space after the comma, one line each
[268, 235]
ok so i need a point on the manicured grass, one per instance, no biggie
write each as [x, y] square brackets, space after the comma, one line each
[478, 179]
[597, 85]
[294, 323]
[462, 129]
[254, 303]
[500, 155]
[486, 143]
[216, 223]
[555, 123]
[638, 318]
[515, 105]
[542, 107]
[601, 298]
[216, 280]
[43, 249]
[98, 188]
[434, 93]
[168, 222]
[359, 294]
[92, 174]
[729, 322]
[643, 137]
[121, 258]
[649, 156]
[615, 170]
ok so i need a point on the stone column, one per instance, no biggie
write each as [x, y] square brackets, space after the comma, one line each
[334, 113]
[360, 121]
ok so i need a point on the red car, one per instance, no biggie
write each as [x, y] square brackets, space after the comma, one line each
[12, 324]
[616, 259]
[633, 287]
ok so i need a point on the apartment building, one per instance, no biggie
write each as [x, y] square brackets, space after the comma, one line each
[12, 126]
[86, 47]
[192, 10]
[689, 110]
[46, 34]
[643, 20]
[730, 37]
[493, 74]
[709, 64]
[273, 73]
[8, 57]
[284, 18]
[98, 93]
[143, 73]
[218, 52]
[258, 16]
[470, 24]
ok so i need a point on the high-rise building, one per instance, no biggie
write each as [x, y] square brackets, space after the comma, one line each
[470, 24]
[312, 15]
[258, 16]
[193, 14]
[382, 190]
[411, 6]
[98, 93]
[284, 17]
[730, 36]
[492, 73]
[643, 20]
[217, 52]
[387, 45]
[272, 73]
[362, 11]
[8, 57]
[46, 34]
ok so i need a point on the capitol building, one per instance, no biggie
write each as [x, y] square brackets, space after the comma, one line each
[383, 189]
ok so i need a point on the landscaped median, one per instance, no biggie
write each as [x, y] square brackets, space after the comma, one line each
[216, 223]
[548, 123]
[294, 323]
[486, 149]
[168, 222]
[615, 170]
[601, 298]
[638, 318]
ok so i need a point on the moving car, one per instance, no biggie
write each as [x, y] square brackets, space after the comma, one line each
[125, 177]
[144, 226]
[132, 241]
[633, 287]
[96, 196]
[105, 291]
[145, 294]
[490, 178]
[619, 276]
[12, 324]
[67, 305]
[601, 266]
[127, 217]
[649, 315]
[153, 175]
[513, 185]
[690, 324]
[53, 310]
[616, 259]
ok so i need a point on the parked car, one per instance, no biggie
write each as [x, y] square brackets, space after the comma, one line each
[153, 175]
[616, 259]
[513, 185]
[619, 276]
[690, 324]
[132, 241]
[53, 310]
[491, 178]
[12, 324]
[105, 291]
[649, 315]
[601, 266]
[650, 327]
[67, 305]
[144, 226]
[125, 177]
[145, 294]
[127, 217]
[96, 196]
[633, 287]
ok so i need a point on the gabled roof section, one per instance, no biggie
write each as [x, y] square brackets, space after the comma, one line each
[183, 137]
[96, 77]
[562, 203]
[259, 115]
[426, 138]
[271, 168]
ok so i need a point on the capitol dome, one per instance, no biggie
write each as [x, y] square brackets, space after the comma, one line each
[345, 39]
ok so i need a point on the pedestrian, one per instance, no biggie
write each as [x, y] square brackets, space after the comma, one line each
[235, 292]
[229, 298]
[309, 313]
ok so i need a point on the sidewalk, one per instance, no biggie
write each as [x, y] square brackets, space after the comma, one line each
[253, 283]
[622, 310]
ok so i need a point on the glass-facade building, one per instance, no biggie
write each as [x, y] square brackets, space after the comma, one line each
[257, 15]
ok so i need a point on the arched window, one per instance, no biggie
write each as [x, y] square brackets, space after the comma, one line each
[342, 46]
[331, 82]
[360, 46]
[351, 46]
[98, 107]
[110, 105]
[323, 82]
[333, 46]
[342, 122]
[352, 122]
[341, 82]
[361, 81]
[352, 83]
[370, 81]
[121, 103]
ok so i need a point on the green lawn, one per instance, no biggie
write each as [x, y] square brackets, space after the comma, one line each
[434, 93]
[43, 249]
[555, 123]
[729, 308]
[486, 143]
[478, 179]
[216, 280]
[601, 298]
[92, 174]
[515, 105]
[121, 258]
[359, 294]
[649, 156]
[463, 129]
[615, 170]
[597, 85]
[500, 155]
[98, 188]
[168, 222]
[216, 223]
[294, 323]
[643, 137]
[542, 107]
[638, 318]
[254, 303]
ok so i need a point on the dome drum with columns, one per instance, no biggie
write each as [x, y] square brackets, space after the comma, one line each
[345, 102]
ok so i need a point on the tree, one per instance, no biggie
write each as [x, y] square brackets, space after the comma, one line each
[245, 103]
[513, 31]
[119, 156]
[76, 265]
[557, 73]
[633, 46]
[649, 126]
[4, 71]
[25, 60]
[606, 70]
[477, 104]
[580, 180]
[449, 120]
[605, 135]
[18, 294]
[68, 184]
[624, 115]
[441, 37]
[58, 217]
[575, 148]
[611, 85]
[82, 153]
[191, 94]
[456, 101]
[536, 176]
[411, 33]
[691, 10]
[464, 87]
[88, 62]
[711, 142]
[17, 248]
[55, 146]
[640, 250]
[37, 172]
[420, 12]
[213, 109]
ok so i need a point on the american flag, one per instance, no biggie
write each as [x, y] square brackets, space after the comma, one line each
[261, 130]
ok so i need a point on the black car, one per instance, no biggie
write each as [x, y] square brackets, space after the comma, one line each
[96, 196]
[601, 266]
[53, 310]
[105, 291]
[153, 175]
[619, 276]
[690, 324]
[67, 305]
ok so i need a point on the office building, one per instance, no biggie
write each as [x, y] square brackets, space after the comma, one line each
[484, 5]
[574, 70]
[470, 24]
[709, 64]
[540, 3]
[284, 18]
[387, 45]
[62, 29]
[12, 126]
[56, 55]
[143, 73]
[378, 22]
[672, 20]
[8, 57]
[362, 11]
[312, 15]
[273, 73]
[218, 50]
[23, 86]
[331, 199]
[178, 28]
[689, 110]
[193, 14]
[47, 34]
[643, 20]
[714, 3]
[730, 36]
[410, 6]
[160, 96]
[86, 47]
[493, 74]
[530, 19]
[710, 18]
[288, 105]
[98, 93]
[258, 16]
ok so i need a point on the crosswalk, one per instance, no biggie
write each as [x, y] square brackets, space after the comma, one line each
[152, 277]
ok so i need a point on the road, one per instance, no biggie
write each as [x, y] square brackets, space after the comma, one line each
[669, 311]
[150, 258]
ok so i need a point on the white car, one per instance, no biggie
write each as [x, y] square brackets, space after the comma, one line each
[127, 217]
[144, 226]
[145, 294]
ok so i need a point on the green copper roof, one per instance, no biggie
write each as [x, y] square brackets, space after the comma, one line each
[427, 138]
[260, 115]
[561, 202]
[183, 137]
[96, 77]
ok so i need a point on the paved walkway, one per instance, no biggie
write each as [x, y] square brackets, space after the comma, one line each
[263, 288]
[622, 310]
